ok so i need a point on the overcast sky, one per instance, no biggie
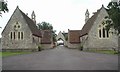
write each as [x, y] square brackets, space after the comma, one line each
[62, 14]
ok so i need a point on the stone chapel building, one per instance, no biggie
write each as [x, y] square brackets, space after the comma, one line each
[21, 33]
[93, 34]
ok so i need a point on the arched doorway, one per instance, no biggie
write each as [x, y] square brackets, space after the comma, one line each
[60, 42]
[61, 39]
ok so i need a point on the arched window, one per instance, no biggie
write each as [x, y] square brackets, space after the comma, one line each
[100, 33]
[10, 35]
[103, 33]
[107, 33]
[17, 26]
[21, 35]
[14, 35]
[18, 35]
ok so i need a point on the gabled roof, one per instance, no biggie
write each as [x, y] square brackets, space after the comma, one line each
[86, 28]
[30, 23]
[35, 31]
[65, 36]
[46, 37]
[60, 36]
[74, 36]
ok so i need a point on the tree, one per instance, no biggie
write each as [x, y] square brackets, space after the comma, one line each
[113, 20]
[3, 7]
[47, 26]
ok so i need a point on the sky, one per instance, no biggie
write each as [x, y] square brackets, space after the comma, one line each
[62, 14]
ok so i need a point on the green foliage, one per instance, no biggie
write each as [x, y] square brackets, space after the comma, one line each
[40, 48]
[5, 54]
[3, 7]
[47, 26]
[81, 47]
[114, 14]
[102, 51]
[54, 35]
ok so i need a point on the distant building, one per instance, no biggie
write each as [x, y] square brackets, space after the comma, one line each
[74, 38]
[47, 41]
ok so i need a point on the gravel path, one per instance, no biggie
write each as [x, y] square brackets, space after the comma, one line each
[61, 58]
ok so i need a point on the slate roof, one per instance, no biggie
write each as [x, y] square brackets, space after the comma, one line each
[65, 35]
[46, 37]
[30, 23]
[74, 36]
[86, 28]
[35, 31]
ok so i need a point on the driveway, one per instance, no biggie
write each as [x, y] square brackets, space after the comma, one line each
[61, 58]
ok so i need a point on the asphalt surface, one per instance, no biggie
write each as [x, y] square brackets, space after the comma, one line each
[61, 58]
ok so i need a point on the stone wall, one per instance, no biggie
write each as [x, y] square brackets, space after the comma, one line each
[26, 42]
[94, 41]
[65, 43]
[73, 46]
[37, 40]
[46, 46]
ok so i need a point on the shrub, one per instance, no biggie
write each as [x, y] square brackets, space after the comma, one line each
[40, 48]
[81, 47]
[116, 52]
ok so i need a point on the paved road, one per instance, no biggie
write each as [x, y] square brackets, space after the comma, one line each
[61, 58]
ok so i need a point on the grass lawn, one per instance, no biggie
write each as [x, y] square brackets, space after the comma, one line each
[104, 51]
[5, 54]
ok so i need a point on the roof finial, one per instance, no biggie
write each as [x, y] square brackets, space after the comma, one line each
[33, 16]
[87, 15]
[102, 5]
[17, 6]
